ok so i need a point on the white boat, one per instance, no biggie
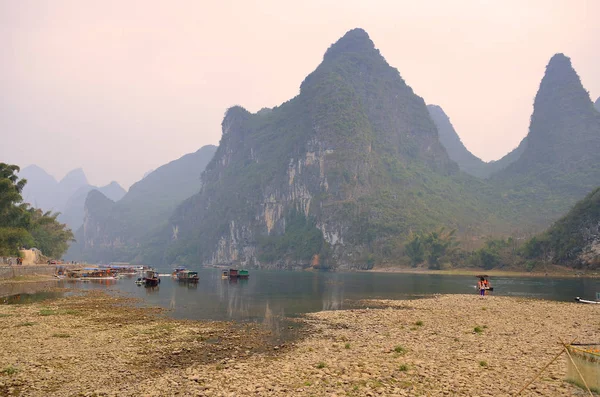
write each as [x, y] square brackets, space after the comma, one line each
[578, 299]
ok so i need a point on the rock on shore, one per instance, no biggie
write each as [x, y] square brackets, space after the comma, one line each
[98, 345]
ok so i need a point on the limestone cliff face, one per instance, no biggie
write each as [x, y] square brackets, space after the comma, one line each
[325, 179]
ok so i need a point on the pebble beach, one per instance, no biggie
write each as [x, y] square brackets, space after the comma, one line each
[96, 344]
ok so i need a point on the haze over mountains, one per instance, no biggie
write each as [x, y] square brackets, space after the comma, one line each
[457, 151]
[114, 231]
[337, 176]
[342, 174]
[67, 196]
[561, 161]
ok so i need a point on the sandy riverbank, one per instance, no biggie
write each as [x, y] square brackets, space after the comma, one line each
[95, 344]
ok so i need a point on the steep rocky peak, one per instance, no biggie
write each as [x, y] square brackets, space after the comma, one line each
[560, 89]
[354, 41]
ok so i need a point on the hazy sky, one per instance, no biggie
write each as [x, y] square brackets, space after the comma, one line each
[121, 87]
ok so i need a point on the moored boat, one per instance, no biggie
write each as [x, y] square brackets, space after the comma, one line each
[151, 279]
[187, 276]
[243, 274]
[225, 274]
[578, 299]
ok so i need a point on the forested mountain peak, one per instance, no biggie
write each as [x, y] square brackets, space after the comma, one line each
[354, 41]
[348, 167]
[560, 96]
[560, 163]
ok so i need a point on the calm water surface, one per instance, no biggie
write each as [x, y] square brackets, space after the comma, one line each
[287, 294]
[278, 294]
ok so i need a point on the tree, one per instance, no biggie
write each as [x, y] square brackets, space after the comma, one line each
[24, 226]
[440, 244]
[415, 250]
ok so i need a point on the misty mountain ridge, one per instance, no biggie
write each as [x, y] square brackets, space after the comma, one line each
[115, 230]
[73, 212]
[457, 151]
[340, 175]
[597, 104]
[67, 196]
[560, 163]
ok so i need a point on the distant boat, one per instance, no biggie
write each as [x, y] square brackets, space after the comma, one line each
[177, 270]
[578, 299]
[187, 276]
[225, 274]
[234, 274]
[151, 279]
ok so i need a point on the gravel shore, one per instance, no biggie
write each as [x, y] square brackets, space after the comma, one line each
[95, 344]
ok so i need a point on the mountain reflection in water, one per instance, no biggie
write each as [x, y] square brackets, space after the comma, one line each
[269, 297]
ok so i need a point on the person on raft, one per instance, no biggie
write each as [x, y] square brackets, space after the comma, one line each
[481, 286]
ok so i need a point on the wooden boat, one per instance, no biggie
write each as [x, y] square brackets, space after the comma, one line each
[233, 273]
[151, 279]
[225, 275]
[177, 271]
[578, 299]
[140, 281]
[187, 276]
[243, 274]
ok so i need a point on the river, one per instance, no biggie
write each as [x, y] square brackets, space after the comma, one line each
[278, 294]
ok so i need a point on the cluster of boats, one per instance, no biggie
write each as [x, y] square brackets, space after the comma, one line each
[235, 274]
[182, 274]
[148, 277]
[97, 273]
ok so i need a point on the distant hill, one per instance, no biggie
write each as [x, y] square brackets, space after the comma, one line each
[115, 231]
[40, 190]
[73, 211]
[43, 191]
[573, 240]
[560, 163]
[494, 166]
[457, 151]
[597, 104]
[67, 196]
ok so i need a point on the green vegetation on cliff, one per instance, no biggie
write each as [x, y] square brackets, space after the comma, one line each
[355, 152]
[24, 226]
[561, 161]
[573, 240]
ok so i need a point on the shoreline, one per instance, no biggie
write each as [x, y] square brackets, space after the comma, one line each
[27, 279]
[553, 273]
[101, 344]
